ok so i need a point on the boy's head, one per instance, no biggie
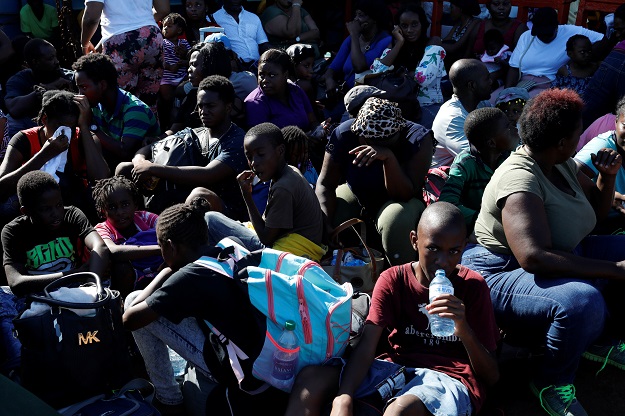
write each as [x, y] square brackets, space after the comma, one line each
[40, 199]
[439, 239]
[117, 199]
[493, 41]
[579, 49]
[265, 150]
[94, 74]
[181, 231]
[296, 146]
[215, 97]
[174, 25]
[488, 130]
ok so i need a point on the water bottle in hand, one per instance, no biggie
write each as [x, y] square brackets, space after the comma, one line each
[440, 285]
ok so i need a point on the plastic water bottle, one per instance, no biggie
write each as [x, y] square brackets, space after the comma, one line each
[441, 327]
[178, 363]
[285, 363]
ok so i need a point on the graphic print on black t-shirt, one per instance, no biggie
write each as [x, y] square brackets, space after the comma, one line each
[53, 257]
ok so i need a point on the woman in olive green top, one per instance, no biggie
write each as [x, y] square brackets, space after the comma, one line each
[287, 23]
[546, 274]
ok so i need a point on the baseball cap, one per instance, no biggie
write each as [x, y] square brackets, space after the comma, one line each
[219, 37]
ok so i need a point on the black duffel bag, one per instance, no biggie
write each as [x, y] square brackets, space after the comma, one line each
[67, 357]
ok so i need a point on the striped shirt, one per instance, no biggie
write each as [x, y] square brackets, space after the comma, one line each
[132, 119]
[170, 58]
[468, 177]
[143, 220]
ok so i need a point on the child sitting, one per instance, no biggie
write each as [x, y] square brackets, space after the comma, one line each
[293, 220]
[166, 313]
[45, 243]
[577, 73]
[297, 153]
[129, 234]
[490, 140]
[496, 55]
[443, 376]
[175, 64]
[512, 101]
[303, 56]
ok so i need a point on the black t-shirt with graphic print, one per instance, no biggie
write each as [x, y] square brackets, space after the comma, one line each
[45, 251]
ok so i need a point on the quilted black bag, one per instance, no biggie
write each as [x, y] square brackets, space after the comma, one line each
[67, 357]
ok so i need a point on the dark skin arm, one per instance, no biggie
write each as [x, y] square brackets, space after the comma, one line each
[90, 22]
[20, 107]
[212, 173]
[22, 283]
[512, 78]
[266, 235]
[124, 252]
[139, 314]
[356, 369]
[12, 169]
[401, 182]
[483, 362]
[330, 178]
[97, 168]
[359, 62]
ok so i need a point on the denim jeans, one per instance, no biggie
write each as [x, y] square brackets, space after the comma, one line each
[562, 313]
[186, 338]
[220, 226]
[606, 87]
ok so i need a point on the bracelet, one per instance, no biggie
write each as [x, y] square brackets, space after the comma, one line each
[296, 4]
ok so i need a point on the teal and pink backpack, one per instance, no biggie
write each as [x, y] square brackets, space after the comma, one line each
[286, 287]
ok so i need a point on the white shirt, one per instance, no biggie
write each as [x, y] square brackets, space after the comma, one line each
[448, 129]
[120, 16]
[244, 36]
[544, 59]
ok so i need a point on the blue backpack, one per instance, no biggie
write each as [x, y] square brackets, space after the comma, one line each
[287, 287]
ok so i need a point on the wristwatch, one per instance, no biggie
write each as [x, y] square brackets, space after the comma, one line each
[93, 127]
[297, 39]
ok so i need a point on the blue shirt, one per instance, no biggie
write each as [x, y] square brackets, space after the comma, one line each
[343, 60]
[604, 140]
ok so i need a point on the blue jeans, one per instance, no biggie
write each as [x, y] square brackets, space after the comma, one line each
[220, 226]
[606, 87]
[562, 313]
[186, 338]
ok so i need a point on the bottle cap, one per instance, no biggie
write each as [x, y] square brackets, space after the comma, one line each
[290, 325]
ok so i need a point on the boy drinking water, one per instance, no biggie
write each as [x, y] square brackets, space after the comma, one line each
[292, 220]
[443, 376]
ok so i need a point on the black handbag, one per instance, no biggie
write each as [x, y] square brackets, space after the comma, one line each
[67, 357]
[399, 87]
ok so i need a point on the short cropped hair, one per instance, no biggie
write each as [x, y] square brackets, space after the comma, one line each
[32, 185]
[268, 130]
[219, 84]
[98, 67]
[480, 124]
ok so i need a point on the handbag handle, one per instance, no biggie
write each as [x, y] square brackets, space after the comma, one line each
[337, 268]
[103, 295]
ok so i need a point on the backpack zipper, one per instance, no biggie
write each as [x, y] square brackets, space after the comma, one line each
[303, 310]
[270, 304]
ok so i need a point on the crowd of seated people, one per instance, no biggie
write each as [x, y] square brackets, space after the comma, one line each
[287, 145]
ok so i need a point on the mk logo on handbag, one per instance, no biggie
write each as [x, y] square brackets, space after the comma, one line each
[91, 337]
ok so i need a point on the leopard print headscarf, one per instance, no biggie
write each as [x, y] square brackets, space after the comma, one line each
[378, 120]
